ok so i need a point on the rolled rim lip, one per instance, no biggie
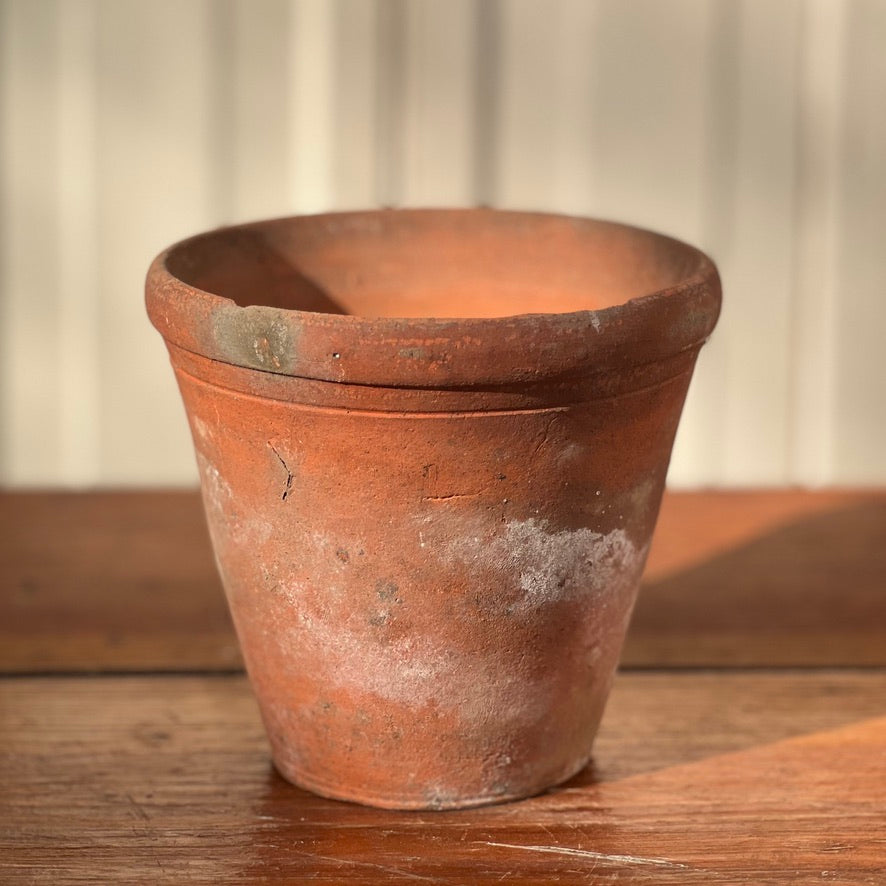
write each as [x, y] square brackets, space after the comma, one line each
[427, 352]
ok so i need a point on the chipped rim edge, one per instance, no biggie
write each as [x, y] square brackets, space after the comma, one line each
[437, 353]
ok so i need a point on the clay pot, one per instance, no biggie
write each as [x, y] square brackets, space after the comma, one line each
[432, 447]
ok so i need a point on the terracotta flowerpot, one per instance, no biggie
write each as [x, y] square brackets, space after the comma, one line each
[432, 447]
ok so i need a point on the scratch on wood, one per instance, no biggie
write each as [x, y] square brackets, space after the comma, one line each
[595, 856]
[139, 809]
[368, 864]
[548, 831]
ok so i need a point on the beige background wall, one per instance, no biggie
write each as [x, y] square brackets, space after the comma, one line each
[753, 128]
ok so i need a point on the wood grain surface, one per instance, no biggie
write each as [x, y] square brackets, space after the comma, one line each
[704, 771]
[696, 778]
[125, 581]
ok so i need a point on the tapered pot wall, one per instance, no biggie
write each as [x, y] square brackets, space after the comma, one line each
[430, 574]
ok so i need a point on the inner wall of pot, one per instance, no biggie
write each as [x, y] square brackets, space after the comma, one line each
[433, 263]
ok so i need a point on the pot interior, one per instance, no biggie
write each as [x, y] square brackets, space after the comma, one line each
[433, 263]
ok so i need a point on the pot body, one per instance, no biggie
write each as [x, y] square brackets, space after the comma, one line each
[431, 585]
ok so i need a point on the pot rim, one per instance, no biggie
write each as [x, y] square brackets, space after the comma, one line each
[425, 352]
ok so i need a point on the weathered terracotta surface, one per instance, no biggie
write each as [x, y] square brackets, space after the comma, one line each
[431, 531]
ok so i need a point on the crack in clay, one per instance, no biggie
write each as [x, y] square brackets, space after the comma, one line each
[451, 496]
[545, 436]
[432, 493]
[288, 488]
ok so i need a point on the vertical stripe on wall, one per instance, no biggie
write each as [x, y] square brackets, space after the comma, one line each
[859, 426]
[812, 349]
[259, 103]
[759, 263]
[29, 262]
[439, 138]
[156, 124]
[311, 105]
[356, 136]
[79, 318]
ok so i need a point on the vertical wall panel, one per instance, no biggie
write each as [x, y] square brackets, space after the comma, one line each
[155, 148]
[860, 385]
[487, 88]
[757, 268]
[390, 101]
[814, 309]
[312, 105]
[576, 175]
[528, 121]
[649, 149]
[79, 316]
[333, 104]
[438, 119]
[258, 128]
[356, 134]
[699, 453]
[29, 224]
[648, 133]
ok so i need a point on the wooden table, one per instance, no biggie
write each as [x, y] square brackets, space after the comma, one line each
[745, 740]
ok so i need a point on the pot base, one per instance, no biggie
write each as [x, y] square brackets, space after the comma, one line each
[398, 803]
